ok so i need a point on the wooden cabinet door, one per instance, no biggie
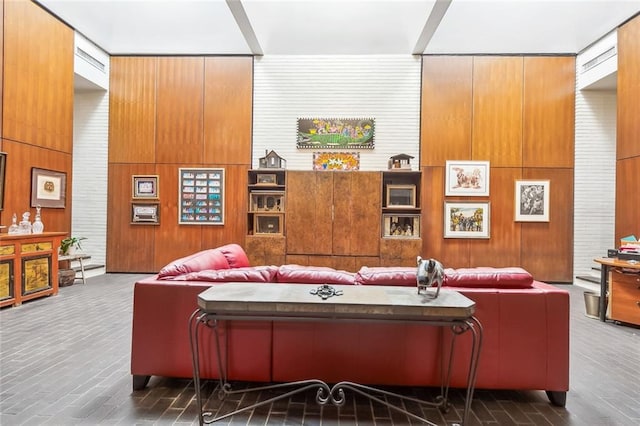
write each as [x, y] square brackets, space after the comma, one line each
[308, 221]
[356, 218]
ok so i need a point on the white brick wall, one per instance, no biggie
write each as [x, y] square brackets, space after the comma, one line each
[384, 87]
[90, 142]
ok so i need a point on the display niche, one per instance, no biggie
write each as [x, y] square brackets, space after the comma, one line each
[401, 204]
[266, 210]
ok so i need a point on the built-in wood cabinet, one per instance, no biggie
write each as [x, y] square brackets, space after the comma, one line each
[28, 266]
[625, 297]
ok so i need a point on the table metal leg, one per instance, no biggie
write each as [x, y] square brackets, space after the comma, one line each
[604, 275]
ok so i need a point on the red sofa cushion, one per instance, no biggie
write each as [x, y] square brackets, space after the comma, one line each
[313, 275]
[235, 255]
[202, 260]
[387, 275]
[257, 274]
[485, 277]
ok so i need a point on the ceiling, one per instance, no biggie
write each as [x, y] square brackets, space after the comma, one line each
[331, 27]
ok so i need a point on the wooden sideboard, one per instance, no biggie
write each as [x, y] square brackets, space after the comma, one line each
[28, 266]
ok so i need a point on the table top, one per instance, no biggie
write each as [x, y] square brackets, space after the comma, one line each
[614, 261]
[366, 302]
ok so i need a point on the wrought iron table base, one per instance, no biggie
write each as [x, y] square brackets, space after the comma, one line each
[326, 394]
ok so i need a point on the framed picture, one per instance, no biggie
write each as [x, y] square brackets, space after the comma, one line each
[467, 178]
[401, 225]
[336, 161]
[48, 188]
[145, 186]
[145, 213]
[466, 220]
[401, 196]
[336, 133]
[270, 224]
[266, 179]
[201, 196]
[532, 201]
[3, 168]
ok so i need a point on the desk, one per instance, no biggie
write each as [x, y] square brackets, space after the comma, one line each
[295, 302]
[607, 263]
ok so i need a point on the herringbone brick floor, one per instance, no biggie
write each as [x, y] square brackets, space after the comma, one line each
[64, 360]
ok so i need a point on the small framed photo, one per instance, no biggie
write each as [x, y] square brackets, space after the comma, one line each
[401, 225]
[267, 224]
[532, 201]
[401, 196]
[145, 186]
[266, 179]
[145, 213]
[466, 220]
[48, 188]
[467, 178]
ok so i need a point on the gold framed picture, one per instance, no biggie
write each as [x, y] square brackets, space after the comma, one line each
[145, 186]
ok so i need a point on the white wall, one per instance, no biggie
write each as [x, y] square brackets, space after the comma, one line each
[90, 149]
[383, 87]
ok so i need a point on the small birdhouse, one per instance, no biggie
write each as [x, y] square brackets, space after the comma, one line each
[272, 161]
[400, 162]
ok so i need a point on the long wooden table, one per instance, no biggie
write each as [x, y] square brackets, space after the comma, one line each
[305, 302]
[606, 263]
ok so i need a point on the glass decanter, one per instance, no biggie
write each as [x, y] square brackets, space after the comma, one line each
[13, 229]
[38, 226]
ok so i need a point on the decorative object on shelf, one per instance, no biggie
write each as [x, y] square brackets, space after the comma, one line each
[14, 229]
[272, 160]
[201, 196]
[38, 226]
[145, 187]
[466, 220]
[467, 178]
[3, 166]
[24, 227]
[532, 201]
[401, 196]
[326, 291]
[266, 179]
[336, 133]
[401, 225]
[69, 244]
[48, 188]
[267, 224]
[430, 273]
[272, 202]
[400, 162]
[145, 213]
[346, 161]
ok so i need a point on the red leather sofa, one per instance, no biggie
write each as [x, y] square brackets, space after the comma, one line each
[525, 323]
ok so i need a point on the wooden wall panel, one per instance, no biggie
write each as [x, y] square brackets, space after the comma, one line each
[446, 109]
[627, 198]
[130, 248]
[228, 100]
[547, 247]
[628, 130]
[38, 77]
[265, 250]
[1, 67]
[21, 158]
[497, 110]
[180, 109]
[549, 112]
[132, 110]
[502, 248]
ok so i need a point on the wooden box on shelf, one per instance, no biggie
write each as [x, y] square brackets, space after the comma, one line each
[263, 201]
[268, 224]
[401, 196]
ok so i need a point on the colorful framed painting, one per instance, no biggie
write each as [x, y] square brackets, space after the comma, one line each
[336, 133]
[345, 161]
[145, 187]
[532, 201]
[469, 178]
[466, 220]
[200, 196]
[48, 188]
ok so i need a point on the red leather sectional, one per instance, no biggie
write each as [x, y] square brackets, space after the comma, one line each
[525, 322]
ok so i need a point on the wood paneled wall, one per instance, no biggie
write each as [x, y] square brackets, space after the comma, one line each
[628, 131]
[167, 113]
[37, 106]
[517, 113]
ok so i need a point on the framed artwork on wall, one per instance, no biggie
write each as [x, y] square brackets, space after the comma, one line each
[532, 201]
[145, 187]
[48, 188]
[466, 220]
[200, 196]
[3, 168]
[467, 178]
[336, 133]
[145, 213]
[344, 161]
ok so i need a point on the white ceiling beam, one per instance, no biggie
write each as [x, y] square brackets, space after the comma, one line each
[239, 14]
[430, 27]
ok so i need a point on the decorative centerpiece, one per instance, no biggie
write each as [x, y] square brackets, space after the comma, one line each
[430, 274]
